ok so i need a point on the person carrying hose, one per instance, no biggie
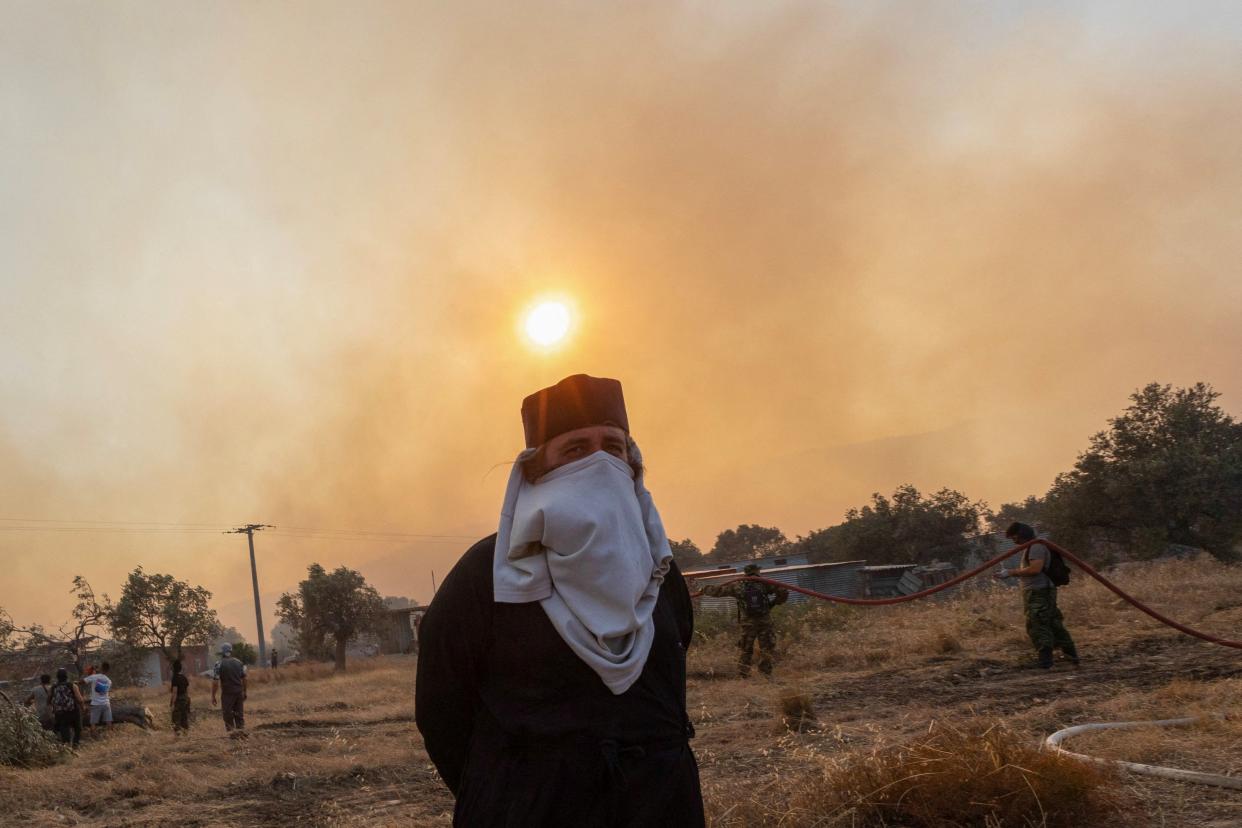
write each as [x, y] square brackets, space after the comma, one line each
[754, 607]
[1044, 622]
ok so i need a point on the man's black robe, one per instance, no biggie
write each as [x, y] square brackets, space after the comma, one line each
[525, 733]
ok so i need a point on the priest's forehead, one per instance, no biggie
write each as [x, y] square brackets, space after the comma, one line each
[595, 438]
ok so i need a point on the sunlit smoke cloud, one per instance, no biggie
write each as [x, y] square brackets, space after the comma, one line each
[269, 267]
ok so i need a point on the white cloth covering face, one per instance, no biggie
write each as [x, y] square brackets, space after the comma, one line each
[587, 543]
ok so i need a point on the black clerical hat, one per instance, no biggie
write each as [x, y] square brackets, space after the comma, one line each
[574, 402]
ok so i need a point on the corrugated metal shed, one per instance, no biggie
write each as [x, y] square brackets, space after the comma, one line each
[772, 561]
[707, 603]
[839, 578]
[398, 631]
[881, 581]
[922, 577]
[707, 573]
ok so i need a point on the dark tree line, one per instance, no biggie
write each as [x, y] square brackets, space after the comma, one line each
[1168, 470]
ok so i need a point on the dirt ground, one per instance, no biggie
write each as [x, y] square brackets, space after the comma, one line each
[343, 749]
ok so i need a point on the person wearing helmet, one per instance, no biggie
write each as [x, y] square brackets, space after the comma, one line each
[754, 612]
[228, 678]
[551, 685]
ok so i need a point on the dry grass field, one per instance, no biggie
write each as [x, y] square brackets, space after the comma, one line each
[915, 715]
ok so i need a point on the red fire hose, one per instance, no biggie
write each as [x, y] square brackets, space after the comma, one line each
[1065, 553]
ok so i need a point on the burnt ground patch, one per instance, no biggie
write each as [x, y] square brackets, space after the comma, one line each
[330, 724]
[989, 685]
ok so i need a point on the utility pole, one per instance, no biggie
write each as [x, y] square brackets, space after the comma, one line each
[248, 530]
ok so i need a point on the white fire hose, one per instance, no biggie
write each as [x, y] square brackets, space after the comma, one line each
[1219, 780]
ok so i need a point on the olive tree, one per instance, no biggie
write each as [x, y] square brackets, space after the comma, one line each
[329, 610]
[1167, 470]
[159, 611]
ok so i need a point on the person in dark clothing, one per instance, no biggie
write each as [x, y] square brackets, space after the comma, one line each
[755, 601]
[229, 678]
[179, 699]
[67, 705]
[275, 660]
[1045, 625]
[552, 661]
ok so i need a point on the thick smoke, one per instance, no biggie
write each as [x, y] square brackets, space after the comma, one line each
[267, 267]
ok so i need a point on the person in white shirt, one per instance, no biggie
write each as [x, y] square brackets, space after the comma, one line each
[100, 687]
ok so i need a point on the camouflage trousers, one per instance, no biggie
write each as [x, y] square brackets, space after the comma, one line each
[1044, 623]
[756, 629]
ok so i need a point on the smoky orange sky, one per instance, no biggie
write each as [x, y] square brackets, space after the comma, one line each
[266, 261]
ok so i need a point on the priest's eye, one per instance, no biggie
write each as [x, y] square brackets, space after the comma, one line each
[615, 449]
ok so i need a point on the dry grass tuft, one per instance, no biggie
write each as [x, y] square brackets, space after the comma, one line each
[950, 776]
[947, 642]
[797, 711]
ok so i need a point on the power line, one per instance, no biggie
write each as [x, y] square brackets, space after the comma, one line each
[64, 526]
[387, 541]
[372, 532]
[156, 524]
[106, 530]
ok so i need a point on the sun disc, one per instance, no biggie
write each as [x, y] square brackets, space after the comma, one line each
[547, 323]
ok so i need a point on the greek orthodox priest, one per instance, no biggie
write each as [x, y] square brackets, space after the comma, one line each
[551, 683]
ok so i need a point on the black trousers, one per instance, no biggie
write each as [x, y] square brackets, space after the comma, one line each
[601, 784]
[68, 726]
[181, 713]
[232, 705]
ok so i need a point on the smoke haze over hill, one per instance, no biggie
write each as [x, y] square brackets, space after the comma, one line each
[268, 266]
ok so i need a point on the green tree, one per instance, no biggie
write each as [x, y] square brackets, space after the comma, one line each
[686, 553]
[226, 635]
[1029, 511]
[159, 611]
[1167, 470]
[329, 610]
[821, 545]
[7, 630]
[748, 541]
[906, 528]
[245, 653]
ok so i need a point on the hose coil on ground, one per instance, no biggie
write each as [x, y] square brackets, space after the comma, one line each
[1218, 780]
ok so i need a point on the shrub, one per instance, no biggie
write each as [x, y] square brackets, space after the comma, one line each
[23, 741]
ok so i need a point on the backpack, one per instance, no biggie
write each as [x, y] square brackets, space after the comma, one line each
[754, 600]
[63, 700]
[1056, 569]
